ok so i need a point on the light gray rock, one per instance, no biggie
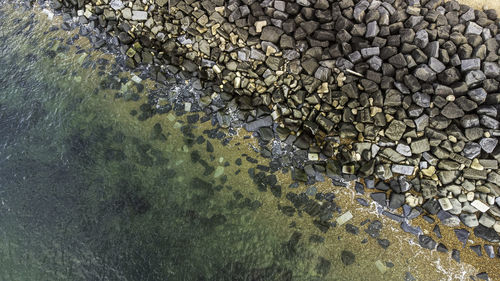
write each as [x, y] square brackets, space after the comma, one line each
[372, 29]
[323, 73]
[488, 144]
[469, 220]
[478, 95]
[436, 65]
[421, 38]
[422, 122]
[257, 55]
[473, 28]
[116, 5]
[487, 220]
[489, 122]
[470, 64]
[404, 149]
[474, 78]
[471, 150]
[491, 69]
[457, 206]
[425, 73]
[375, 63]
[403, 169]
[469, 121]
[139, 15]
[421, 99]
[370, 52]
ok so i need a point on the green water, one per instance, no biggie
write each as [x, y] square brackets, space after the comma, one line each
[90, 193]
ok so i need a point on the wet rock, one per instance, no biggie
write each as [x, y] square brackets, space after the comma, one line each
[488, 234]
[469, 220]
[462, 235]
[426, 242]
[488, 144]
[347, 257]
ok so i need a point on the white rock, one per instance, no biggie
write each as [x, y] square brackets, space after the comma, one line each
[412, 201]
[470, 196]
[313, 156]
[116, 5]
[403, 149]
[187, 107]
[480, 205]
[402, 169]
[126, 13]
[49, 13]
[344, 218]
[496, 226]
[445, 204]
[139, 15]
[136, 79]
[219, 171]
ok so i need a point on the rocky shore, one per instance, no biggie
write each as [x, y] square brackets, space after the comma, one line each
[401, 96]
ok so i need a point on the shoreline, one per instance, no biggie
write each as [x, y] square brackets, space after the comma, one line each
[347, 177]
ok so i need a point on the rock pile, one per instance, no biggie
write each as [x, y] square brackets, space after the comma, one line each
[402, 93]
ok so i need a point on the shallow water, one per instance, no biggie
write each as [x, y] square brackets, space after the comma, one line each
[94, 188]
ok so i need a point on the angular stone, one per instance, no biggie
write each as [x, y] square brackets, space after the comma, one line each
[478, 95]
[425, 73]
[474, 78]
[427, 242]
[462, 235]
[452, 111]
[488, 144]
[372, 29]
[403, 169]
[421, 99]
[471, 150]
[469, 220]
[271, 34]
[395, 130]
[488, 234]
[473, 28]
[419, 146]
[370, 52]
[436, 65]
[470, 64]
[480, 205]
[421, 39]
[489, 122]
[403, 149]
[491, 69]
[445, 204]
[139, 15]
[448, 219]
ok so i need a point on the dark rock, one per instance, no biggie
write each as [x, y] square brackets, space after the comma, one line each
[379, 197]
[442, 248]
[426, 242]
[477, 249]
[425, 73]
[352, 229]
[396, 200]
[384, 243]
[490, 252]
[452, 111]
[455, 254]
[488, 234]
[271, 34]
[462, 235]
[374, 228]
[347, 257]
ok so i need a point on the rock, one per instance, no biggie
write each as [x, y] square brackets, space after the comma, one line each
[421, 99]
[431, 206]
[427, 242]
[271, 34]
[491, 69]
[139, 15]
[403, 169]
[455, 254]
[488, 234]
[403, 149]
[422, 39]
[477, 249]
[347, 257]
[469, 220]
[489, 122]
[452, 111]
[370, 52]
[419, 146]
[116, 5]
[474, 78]
[372, 29]
[259, 123]
[471, 150]
[395, 130]
[478, 95]
[448, 219]
[473, 28]
[436, 65]
[425, 73]
[445, 204]
[384, 243]
[323, 73]
[379, 197]
[490, 252]
[486, 220]
[462, 235]
[480, 205]
[488, 144]
[470, 64]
